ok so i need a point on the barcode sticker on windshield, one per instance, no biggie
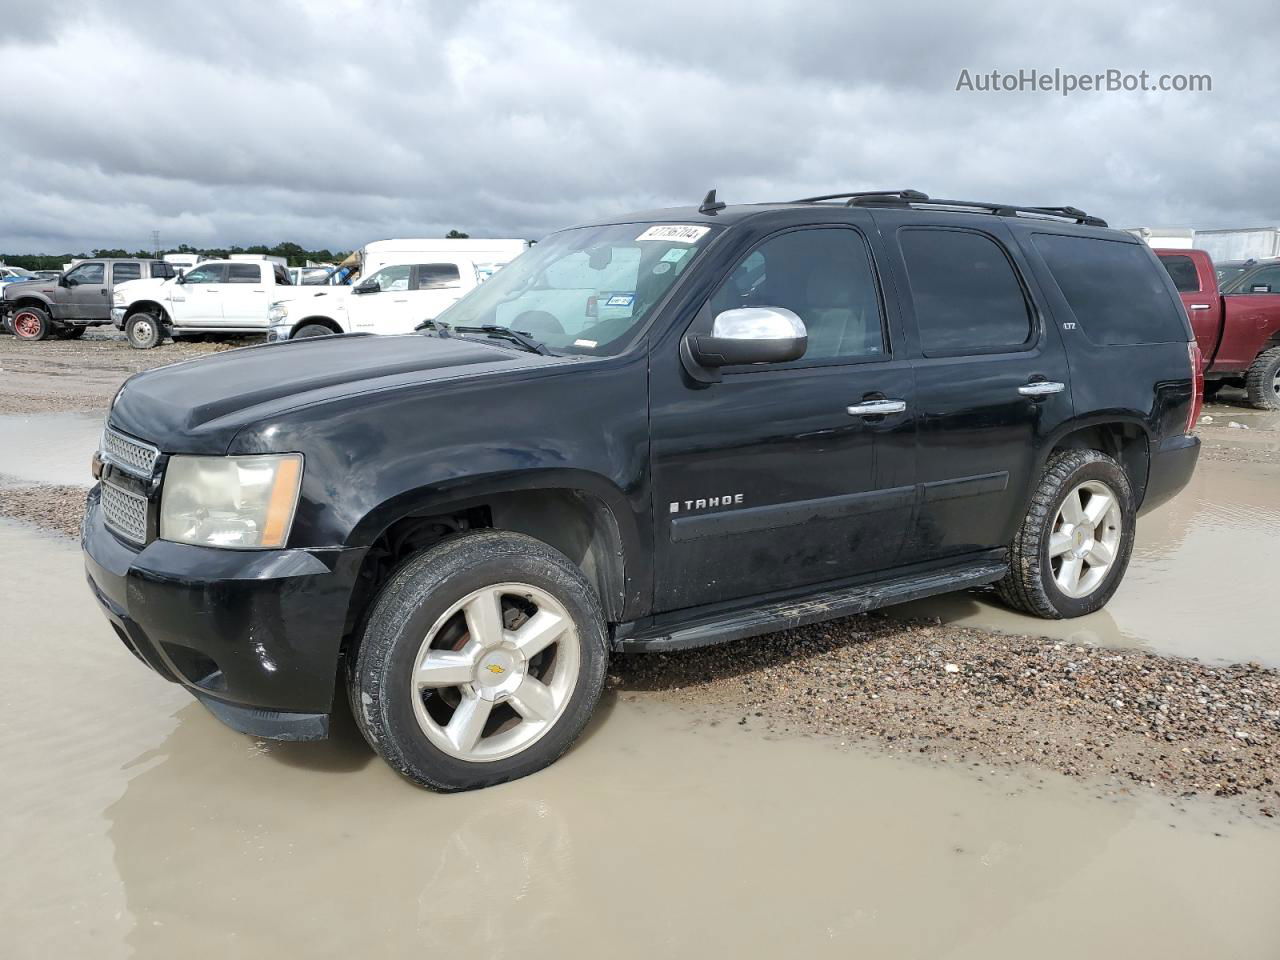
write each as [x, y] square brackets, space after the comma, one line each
[675, 233]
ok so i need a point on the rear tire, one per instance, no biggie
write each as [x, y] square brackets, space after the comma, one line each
[31, 324]
[481, 662]
[1262, 383]
[143, 331]
[1065, 561]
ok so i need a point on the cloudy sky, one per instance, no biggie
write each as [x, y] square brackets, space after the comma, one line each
[332, 124]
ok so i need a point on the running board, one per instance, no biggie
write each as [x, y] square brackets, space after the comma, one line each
[787, 614]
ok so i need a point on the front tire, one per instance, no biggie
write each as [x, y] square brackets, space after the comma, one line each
[143, 331]
[312, 330]
[31, 324]
[1070, 554]
[1263, 380]
[71, 333]
[481, 662]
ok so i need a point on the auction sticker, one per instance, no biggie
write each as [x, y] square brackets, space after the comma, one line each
[675, 233]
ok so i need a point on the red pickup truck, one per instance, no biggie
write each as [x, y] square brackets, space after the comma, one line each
[1238, 332]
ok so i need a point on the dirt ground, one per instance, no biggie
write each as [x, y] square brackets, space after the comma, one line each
[1177, 725]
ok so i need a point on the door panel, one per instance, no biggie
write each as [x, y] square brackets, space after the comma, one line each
[246, 295]
[89, 298]
[991, 378]
[765, 481]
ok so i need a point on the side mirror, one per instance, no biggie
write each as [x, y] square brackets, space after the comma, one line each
[750, 335]
[65, 281]
[1260, 288]
[366, 286]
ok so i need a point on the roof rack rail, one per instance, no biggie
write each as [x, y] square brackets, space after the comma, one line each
[907, 198]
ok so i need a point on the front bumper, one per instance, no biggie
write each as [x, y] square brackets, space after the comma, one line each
[255, 635]
[117, 316]
[1173, 462]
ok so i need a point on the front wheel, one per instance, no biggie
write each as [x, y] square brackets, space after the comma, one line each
[312, 330]
[1070, 554]
[481, 662]
[71, 333]
[143, 331]
[31, 324]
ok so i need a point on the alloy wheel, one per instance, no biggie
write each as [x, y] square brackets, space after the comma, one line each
[26, 324]
[1085, 539]
[495, 672]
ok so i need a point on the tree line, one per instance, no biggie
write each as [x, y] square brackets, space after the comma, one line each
[296, 255]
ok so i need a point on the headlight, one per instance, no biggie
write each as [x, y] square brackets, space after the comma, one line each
[245, 503]
[277, 312]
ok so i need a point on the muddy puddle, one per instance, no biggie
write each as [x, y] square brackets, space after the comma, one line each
[1202, 581]
[49, 447]
[133, 824]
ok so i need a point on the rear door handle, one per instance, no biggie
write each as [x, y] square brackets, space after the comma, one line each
[1041, 388]
[1200, 306]
[876, 408]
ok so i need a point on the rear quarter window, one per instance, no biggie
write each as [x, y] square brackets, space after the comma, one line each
[1118, 295]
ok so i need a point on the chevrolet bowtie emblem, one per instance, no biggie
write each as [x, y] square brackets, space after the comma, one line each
[494, 668]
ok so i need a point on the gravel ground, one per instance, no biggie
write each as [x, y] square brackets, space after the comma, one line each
[956, 694]
[82, 374]
[55, 508]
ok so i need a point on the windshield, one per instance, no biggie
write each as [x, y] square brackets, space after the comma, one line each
[589, 290]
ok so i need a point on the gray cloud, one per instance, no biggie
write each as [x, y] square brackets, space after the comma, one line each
[332, 125]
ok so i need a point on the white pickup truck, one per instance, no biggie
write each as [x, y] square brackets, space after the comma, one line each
[216, 297]
[394, 299]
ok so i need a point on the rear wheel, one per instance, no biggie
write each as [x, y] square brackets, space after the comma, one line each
[1070, 554]
[1263, 380]
[31, 323]
[143, 331]
[481, 662]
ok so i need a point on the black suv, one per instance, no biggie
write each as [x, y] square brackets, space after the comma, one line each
[78, 299]
[655, 432]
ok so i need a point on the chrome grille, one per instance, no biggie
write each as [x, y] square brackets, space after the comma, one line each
[133, 455]
[125, 512]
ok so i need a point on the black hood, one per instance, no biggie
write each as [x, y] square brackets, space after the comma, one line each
[198, 406]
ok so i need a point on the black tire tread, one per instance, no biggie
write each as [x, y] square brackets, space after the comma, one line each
[1257, 382]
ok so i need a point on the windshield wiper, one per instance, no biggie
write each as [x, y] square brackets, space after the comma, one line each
[504, 333]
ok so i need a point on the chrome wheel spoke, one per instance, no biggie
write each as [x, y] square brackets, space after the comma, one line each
[534, 700]
[445, 668]
[484, 618]
[1069, 575]
[467, 723]
[539, 632]
[1100, 556]
[1059, 543]
[1071, 510]
[1099, 504]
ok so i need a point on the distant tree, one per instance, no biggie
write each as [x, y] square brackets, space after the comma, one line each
[457, 235]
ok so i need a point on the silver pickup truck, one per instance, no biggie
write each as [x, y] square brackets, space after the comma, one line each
[78, 299]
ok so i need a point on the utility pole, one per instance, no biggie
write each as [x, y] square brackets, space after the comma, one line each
[155, 242]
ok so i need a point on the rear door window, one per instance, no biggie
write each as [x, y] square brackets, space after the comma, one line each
[1183, 271]
[966, 295]
[1117, 294]
[159, 269]
[1261, 280]
[438, 276]
[123, 272]
[244, 273]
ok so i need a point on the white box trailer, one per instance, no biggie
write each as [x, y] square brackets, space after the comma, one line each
[487, 255]
[1248, 243]
[1165, 238]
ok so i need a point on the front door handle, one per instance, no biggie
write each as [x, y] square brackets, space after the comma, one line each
[1200, 306]
[876, 408]
[1041, 388]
